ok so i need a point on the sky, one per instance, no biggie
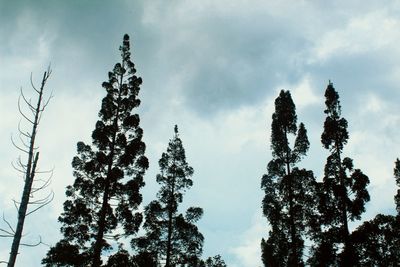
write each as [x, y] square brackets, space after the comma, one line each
[213, 68]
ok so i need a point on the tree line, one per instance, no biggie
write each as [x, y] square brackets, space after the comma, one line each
[101, 218]
[309, 220]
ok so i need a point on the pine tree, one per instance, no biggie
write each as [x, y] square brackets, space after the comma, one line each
[343, 192]
[288, 190]
[171, 236]
[108, 175]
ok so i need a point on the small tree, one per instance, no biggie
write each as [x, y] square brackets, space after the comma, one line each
[104, 199]
[289, 191]
[215, 261]
[171, 236]
[32, 185]
[343, 192]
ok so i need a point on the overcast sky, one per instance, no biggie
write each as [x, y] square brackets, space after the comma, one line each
[214, 68]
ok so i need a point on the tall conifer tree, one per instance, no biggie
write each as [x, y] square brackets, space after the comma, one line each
[108, 175]
[343, 192]
[172, 237]
[288, 189]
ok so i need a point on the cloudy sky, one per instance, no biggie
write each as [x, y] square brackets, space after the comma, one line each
[214, 68]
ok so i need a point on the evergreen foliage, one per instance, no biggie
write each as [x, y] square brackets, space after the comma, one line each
[342, 195]
[289, 191]
[377, 241]
[108, 175]
[171, 236]
[215, 261]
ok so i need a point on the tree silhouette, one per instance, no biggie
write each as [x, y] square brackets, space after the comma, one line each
[289, 191]
[103, 201]
[171, 236]
[215, 261]
[29, 170]
[343, 192]
[377, 241]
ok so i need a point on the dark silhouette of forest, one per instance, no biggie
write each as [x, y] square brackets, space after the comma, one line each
[101, 220]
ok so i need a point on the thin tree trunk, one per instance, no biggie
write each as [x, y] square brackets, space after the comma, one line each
[22, 213]
[170, 213]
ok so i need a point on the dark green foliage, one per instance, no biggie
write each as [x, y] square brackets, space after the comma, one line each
[121, 258]
[289, 191]
[108, 174]
[342, 194]
[215, 261]
[377, 242]
[65, 254]
[171, 236]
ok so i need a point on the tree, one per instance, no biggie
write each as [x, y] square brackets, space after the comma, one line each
[377, 241]
[215, 261]
[104, 199]
[288, 190]
[171, 236]
[343, 192]
[29, 169]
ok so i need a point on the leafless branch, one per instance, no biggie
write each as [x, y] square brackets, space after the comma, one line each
[22, 113]
[32, 84]
[17, 147]
[33, 245]
[26, 134]
[47, 200]
[16, 168]
[16, 204]
[9, 225]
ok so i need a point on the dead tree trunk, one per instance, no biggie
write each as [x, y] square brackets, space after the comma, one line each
[30, 168]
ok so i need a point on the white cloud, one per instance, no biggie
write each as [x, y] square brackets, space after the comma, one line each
[248, 252]
[362, 34]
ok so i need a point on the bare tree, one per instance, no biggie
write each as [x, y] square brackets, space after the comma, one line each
[32, 185]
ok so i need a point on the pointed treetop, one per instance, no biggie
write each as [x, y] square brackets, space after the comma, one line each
[332, 101]
[176, 129]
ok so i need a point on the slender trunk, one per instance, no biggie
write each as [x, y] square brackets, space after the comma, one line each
[170, 213]
[29, 175]
[22, 213]
[98, 246]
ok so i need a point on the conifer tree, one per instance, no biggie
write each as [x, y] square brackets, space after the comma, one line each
[343, 192]
[172, 237]
[215, 261]
[108, 175]
[288, 190]
[377, 241]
